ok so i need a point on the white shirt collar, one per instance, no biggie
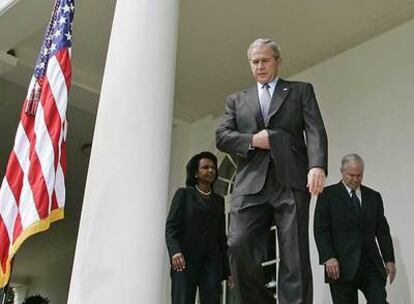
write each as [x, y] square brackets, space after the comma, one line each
[271, 84]
[357, 191]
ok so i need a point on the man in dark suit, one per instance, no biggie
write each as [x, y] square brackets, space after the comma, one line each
[349, 221]
[264, 128]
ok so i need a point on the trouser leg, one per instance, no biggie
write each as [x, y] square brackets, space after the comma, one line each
[344, 293]
[295, 274]
[374, 291]
[210, 283]
[248, 237]
[372, 283]
[184, 284]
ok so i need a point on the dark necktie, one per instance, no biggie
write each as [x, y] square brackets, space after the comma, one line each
[356, 202]
[265, 101]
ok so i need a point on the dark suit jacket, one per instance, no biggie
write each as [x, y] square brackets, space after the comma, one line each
[196, 228]
[340, 233]
[293, 112]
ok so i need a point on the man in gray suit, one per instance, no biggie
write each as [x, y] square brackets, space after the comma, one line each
[276, 132]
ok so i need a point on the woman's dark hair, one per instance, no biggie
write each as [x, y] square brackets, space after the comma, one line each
[37, 299]
[192, 166]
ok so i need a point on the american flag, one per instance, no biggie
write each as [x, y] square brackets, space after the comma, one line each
[32, 193]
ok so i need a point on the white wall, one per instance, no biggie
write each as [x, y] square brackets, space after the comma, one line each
[366, 99]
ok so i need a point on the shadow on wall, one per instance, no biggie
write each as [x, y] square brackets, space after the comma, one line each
[399, 291]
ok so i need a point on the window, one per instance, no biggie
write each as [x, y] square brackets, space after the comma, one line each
[226, 173]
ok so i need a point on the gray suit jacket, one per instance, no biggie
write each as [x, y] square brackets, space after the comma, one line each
[297, 136]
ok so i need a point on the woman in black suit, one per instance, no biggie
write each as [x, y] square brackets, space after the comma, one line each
[195, 235]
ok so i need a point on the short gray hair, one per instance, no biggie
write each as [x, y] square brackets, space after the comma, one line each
[353, 157]
[261, 42]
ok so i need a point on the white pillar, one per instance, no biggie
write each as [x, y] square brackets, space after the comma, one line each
[120, 249]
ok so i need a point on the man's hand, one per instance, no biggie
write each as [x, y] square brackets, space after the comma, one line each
[261, 140]
[316, 180]
[391, 270]
[332, 268]
[178, 262]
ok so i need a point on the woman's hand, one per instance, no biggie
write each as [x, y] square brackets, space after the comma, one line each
[178, 262]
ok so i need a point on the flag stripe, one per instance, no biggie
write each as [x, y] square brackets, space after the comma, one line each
[63, 58]
[15, 172]
[18, 228]
[34, 186]
[58, 86]
[44, 150]
[26, 205]
[5, 244]
[59, 189]
[8, 209]
[53, 121]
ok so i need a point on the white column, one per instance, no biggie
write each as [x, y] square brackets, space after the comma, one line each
[120, 249]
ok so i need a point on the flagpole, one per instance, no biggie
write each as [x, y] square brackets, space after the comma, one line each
[6, 288]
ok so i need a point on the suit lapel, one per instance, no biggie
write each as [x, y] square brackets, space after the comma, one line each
[254, 104]
[282, 90]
